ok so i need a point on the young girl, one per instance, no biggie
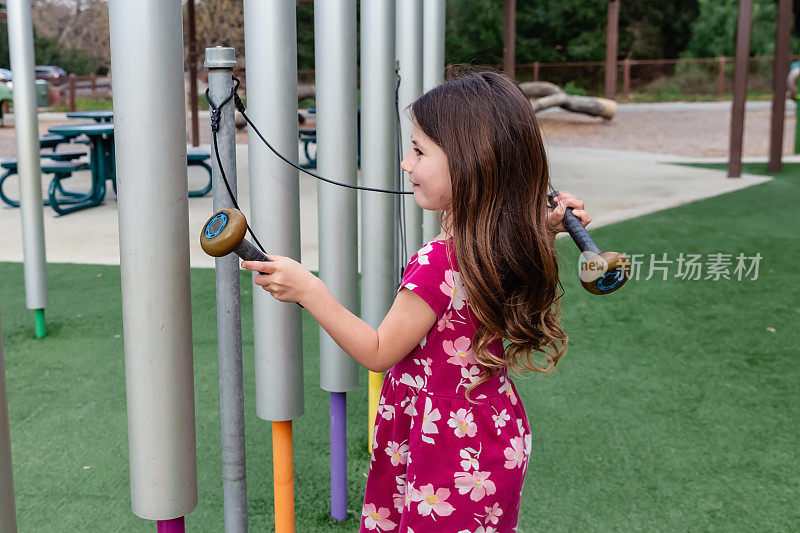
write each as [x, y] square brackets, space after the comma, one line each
[452, 439]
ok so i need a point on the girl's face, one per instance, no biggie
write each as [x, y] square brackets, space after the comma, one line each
[427, 169]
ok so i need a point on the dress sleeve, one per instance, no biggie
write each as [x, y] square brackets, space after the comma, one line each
[425, 275]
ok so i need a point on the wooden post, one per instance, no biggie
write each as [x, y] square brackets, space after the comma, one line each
[71, 78]
[721, 79]
[626, 79]
[193, 75]
[535, 71]
[780, 68]
[612, 34]
[510, 31]
[741, 66]
[94, 86]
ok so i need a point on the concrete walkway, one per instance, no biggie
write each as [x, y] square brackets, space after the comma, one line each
[615, 185]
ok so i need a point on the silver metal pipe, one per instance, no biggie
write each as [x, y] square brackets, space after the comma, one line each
[409, 53]
[335, 72]
[150, 134]
[433, 22]
[20, 43]
[270, 29]
[8, 514]
[220, 62]
[378, 161]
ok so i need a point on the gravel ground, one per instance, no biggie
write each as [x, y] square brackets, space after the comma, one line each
[677, 130]
[690, 133]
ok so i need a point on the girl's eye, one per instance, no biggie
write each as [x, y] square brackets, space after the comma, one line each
[417, 150]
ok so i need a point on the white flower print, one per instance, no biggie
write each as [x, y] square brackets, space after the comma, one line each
[481, 529]
[412, 494]
[469, 461]
[426, 364]
[398, 451]
[493, 513]
[528, 439]
[462, 421]
[399, 498]
[412, 381]
[434, 502]
[459, 351]
[387, 412]
[500, 419]
[377, 518]
[422, 254]
[429, 418]
[506, 387]
[477, 484]
[452, 287]
[514, 453]
[445, 322]
[410, 406]
[470, 374]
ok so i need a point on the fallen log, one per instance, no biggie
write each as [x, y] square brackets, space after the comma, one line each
[551, 95]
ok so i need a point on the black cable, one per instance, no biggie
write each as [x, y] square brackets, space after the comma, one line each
[216, 112]
[401, 208]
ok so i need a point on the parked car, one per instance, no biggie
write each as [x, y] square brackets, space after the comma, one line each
[54, 75]
[5, 75]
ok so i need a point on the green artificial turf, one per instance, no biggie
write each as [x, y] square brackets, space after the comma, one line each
[675, 407]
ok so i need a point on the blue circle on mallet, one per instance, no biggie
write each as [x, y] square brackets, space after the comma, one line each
[216, 225]
[610, 280]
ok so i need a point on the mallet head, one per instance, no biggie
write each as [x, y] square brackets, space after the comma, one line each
[605, 272]
[223, 232]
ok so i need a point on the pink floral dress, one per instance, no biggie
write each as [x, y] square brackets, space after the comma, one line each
[440, 463]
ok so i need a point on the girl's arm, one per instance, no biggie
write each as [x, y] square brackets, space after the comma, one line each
[404, 327]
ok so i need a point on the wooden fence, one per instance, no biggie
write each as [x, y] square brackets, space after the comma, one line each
[80, 87]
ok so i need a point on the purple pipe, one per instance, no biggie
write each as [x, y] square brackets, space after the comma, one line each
[339, 456]
[176, 525]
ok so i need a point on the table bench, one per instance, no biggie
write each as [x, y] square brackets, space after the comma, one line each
[197, 157]
[61, 165]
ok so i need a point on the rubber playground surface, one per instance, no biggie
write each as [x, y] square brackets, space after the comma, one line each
[675, 408]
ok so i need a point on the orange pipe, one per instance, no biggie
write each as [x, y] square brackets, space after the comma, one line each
[283, 476]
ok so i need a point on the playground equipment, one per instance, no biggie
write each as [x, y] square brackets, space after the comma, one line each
[150, 131]
[601, 272]
[8, 514]
[220, 62]
[20, 42]
[335, 72]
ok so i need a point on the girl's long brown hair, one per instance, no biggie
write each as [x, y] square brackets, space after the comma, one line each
[504, 246]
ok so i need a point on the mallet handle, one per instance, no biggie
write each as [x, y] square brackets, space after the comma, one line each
[576, 230]
[248, 252]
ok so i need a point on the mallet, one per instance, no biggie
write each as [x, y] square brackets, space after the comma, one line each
[224, 234]
[603, 272]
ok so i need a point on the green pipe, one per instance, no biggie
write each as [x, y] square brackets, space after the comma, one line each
[39, 317]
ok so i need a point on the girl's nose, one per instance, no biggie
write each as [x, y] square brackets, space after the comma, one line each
[405, 164]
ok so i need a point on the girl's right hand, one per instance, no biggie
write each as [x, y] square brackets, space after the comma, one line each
[555, 217]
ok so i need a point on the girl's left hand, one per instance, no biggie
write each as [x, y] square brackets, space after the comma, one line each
[556, 216]
[284, 278]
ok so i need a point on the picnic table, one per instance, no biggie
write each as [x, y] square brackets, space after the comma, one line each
[101, 158]
[97, 116]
